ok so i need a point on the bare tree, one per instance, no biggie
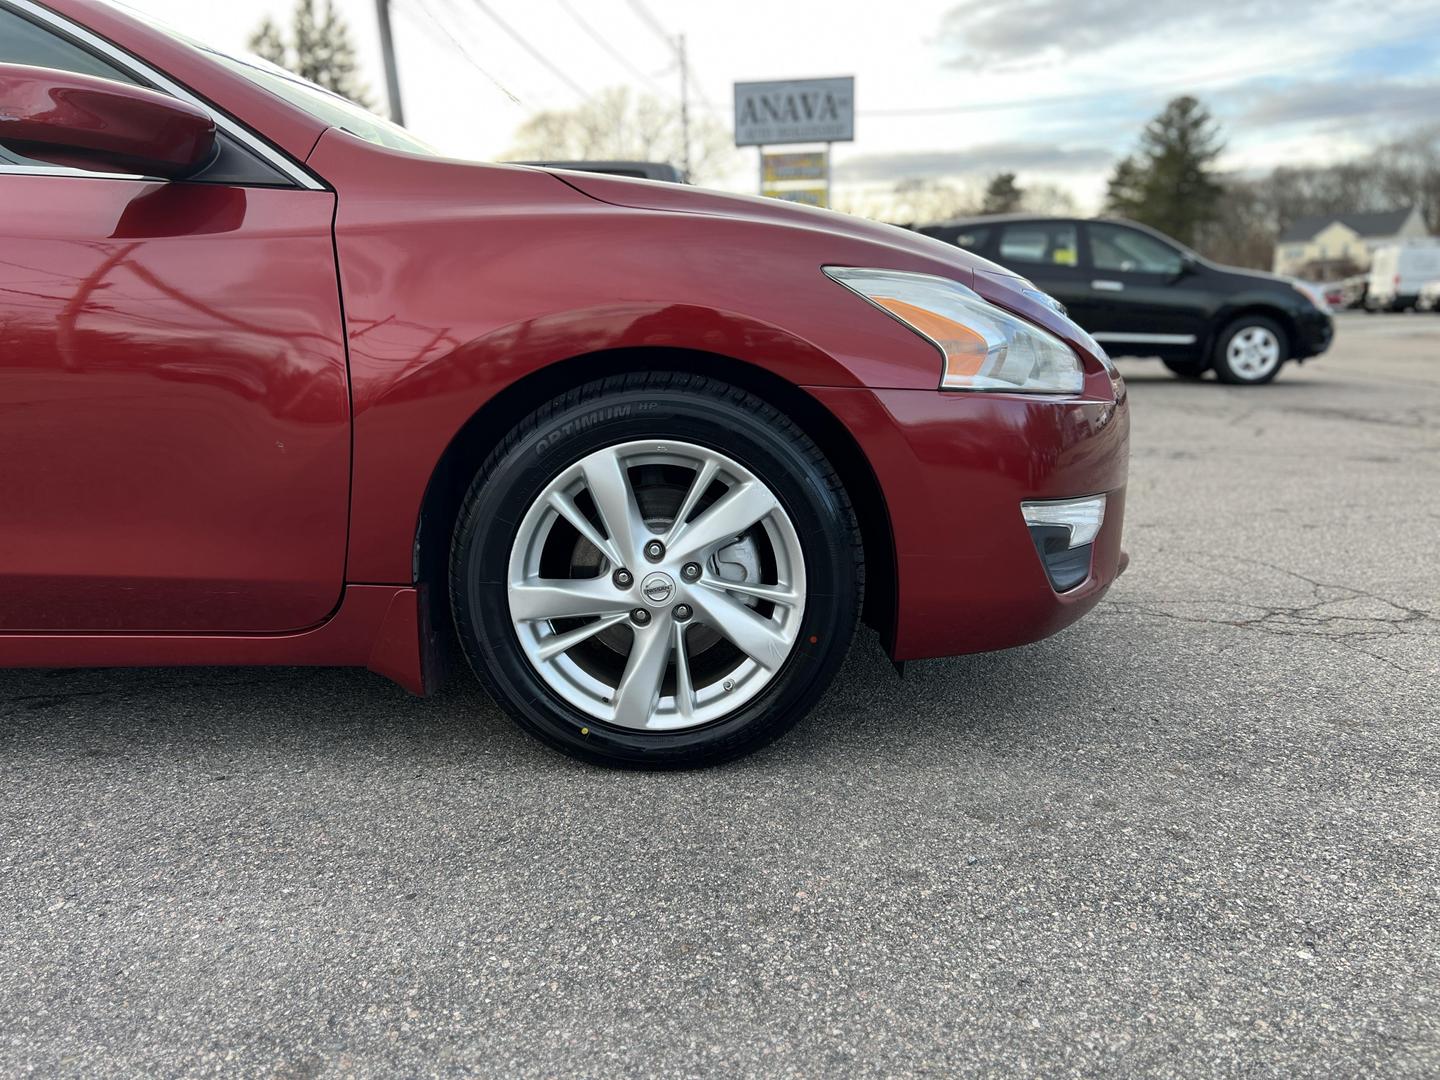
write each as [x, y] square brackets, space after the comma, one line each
[927, 201]
[1409, 173]
[1049, 199]
[619, 125]
[1243, 230]
[930, 201]
[1253, 211]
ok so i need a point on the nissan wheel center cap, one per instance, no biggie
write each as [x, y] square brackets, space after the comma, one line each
[658, 589]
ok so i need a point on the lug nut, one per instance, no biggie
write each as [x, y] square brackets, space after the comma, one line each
[654, 551]
[682, 612]
[640, 617]
[623, 578]
[690, 571]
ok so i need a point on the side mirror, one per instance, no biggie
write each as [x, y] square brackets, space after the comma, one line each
[1187, 266]
[82, 122]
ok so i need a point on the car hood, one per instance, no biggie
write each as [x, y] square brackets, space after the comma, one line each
[682, 199]
[1251, 276]
[890, 246]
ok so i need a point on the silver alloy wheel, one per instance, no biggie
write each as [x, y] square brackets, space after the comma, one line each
[698, 647]
[1253, 353]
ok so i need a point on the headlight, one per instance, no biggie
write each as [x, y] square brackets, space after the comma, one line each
[1046, 299]
[1314, 295]
[984, 347]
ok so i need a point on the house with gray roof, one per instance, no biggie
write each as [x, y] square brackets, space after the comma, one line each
[1327, 246]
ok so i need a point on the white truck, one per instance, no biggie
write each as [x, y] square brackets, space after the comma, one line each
[1398, 272]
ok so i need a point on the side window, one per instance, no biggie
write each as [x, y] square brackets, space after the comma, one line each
[23, 42]
[1116, 248]
[1050, 243]
[971, 238]
[28, 43]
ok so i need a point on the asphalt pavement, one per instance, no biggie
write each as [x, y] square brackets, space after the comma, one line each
[1197, 834]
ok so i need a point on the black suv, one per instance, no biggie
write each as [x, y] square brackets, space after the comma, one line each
[1139, 293]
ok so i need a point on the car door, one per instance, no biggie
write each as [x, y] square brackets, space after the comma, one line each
[174, 407]
[1141, 299]
[1048, 253]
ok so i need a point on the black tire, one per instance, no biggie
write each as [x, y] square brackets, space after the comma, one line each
[658, 405]
[1220, 356]
[1187, 369]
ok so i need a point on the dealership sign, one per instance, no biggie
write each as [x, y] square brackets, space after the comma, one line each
[794, 111]
[806, 166]
[802, 178]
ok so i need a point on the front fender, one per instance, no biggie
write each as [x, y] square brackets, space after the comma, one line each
[480, 368]
[403, 425]
[459, 280]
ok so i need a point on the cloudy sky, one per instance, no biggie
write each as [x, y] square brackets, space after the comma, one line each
[1054, 89]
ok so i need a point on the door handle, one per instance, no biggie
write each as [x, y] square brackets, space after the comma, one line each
[1108, 286]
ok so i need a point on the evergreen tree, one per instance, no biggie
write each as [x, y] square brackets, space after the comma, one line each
[1169, 184]
[1125, 190]
[1002, 195]
[268, 42]
[319, 49]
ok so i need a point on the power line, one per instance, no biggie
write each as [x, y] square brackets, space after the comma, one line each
[424, 8]
[673, 42]
[649, 19]
[540, 57]
[615, 53]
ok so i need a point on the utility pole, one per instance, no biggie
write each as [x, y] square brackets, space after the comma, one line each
[684, 106]
[387, 48]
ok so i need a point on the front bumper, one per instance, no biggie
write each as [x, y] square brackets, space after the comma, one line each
[954, 469]
[1316, 331]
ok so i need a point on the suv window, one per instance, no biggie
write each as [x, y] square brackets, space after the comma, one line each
[1114, 247]
[972, 238]
[1053, 243]
[23, 42]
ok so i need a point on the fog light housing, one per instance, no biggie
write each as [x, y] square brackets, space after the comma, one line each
[1064, 532]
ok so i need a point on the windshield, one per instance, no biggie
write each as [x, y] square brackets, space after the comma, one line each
[323, 104]
[316, 100]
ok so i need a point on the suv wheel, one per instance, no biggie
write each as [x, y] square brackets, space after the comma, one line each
[1251, 351]
[656, 570]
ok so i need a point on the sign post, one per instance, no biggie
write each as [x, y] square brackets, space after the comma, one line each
[799, 177]
[795, 111]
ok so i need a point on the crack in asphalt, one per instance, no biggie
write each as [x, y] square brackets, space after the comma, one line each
[1417, 419]
[1299, 620]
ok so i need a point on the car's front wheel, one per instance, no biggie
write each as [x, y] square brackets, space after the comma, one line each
[1250, 351]
[658, 570]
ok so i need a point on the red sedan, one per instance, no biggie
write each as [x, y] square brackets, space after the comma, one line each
[282, 386]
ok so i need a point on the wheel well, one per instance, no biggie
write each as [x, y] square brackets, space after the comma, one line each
[455, 470]
[1274, 314]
